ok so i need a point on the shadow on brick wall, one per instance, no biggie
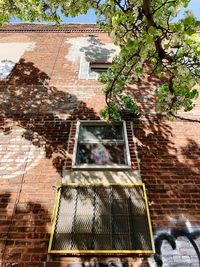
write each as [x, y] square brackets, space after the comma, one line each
[172, 183]
[43, 111]
[23, 234]
[97, 51]
[170, 168]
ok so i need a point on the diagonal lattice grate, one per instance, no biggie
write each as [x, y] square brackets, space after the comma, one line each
[103, 218]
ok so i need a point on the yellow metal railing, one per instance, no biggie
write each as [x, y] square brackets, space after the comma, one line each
[92, 252]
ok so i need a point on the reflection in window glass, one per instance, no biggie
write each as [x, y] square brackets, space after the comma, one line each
[101, 132]
[101, 154]
[101, 144]
[97, 68]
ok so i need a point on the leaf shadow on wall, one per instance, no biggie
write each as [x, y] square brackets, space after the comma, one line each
[170, 167]
[94, 230]
[32, 104]
[97, 51]
[24, 235]
[28, 101]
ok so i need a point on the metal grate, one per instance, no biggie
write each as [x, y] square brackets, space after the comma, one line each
[105, 219]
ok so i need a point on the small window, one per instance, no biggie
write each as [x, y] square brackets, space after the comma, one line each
[99, 67]
[101, 145]
[105, 219]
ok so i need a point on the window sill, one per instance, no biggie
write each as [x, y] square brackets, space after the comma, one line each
[101, 252]
[97, 168]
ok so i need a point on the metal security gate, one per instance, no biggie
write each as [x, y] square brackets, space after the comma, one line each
[101, 219]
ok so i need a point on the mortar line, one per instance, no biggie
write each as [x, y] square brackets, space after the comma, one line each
[15, 204]
[59, 48]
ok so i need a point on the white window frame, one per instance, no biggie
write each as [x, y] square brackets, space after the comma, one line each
[85, 70]
[100, 167]
[97, 67]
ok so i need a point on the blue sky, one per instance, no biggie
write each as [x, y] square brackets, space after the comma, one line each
[194, 5]
[90, 17]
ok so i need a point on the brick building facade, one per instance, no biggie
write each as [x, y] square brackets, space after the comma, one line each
[47, 86]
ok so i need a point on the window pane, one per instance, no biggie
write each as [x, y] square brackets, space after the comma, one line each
[101, 132]
[99, 70]
[101, 154]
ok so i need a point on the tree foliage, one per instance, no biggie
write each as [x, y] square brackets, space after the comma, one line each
[146, 32]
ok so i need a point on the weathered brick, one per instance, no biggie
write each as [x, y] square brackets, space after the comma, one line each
[42, 100]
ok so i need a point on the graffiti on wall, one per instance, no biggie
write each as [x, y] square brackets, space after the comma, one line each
[178, 245]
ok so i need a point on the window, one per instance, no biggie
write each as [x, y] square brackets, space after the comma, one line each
[101, 145]
[101, 219]
[95, 57]
[97, 68]
[90, 70]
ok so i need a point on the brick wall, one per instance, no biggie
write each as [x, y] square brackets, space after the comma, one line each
[40, 102]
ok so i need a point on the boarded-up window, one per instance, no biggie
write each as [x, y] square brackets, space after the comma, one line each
[101, 219]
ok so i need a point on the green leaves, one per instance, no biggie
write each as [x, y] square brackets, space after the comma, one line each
[152, 30]
[173, 99]
[129, 104]
[194, 94]
[131, 43]
[147, 34]
[111, 112]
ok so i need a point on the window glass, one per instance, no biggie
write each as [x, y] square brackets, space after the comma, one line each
[99, 67]
[99, 70]
[101, 144]
[101, 154]
[101, 132]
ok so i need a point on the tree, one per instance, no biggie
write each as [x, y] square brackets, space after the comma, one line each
[147, 34]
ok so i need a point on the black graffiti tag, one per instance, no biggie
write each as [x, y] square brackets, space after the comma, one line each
[171, 239]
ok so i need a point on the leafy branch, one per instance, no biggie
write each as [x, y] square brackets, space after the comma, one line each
[146, 34]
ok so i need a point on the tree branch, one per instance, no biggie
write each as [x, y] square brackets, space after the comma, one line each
[150, 21]
[166, 2]
[117, 76]
[120, 6]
